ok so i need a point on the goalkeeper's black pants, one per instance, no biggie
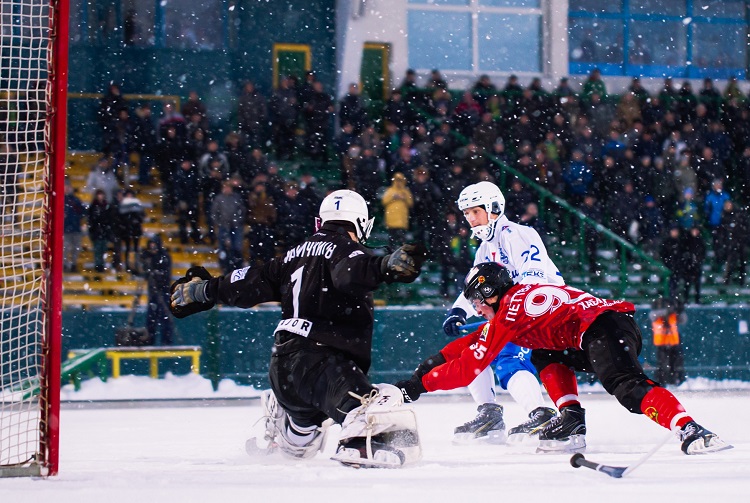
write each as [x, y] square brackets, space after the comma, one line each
[313, 381]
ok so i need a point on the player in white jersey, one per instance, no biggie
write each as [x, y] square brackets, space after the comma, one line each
[521, 250]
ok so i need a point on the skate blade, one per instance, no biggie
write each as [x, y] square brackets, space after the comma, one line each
[381, 459]
[715, 447]
[570, 445]
[255, 449]
[523, 439]
[492, 437]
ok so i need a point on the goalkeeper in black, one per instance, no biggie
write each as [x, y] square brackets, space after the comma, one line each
[323, 343]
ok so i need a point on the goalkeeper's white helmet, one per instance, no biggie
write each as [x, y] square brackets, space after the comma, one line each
[488, 196]
[347, 206]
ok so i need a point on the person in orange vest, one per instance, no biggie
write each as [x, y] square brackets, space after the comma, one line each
[671, 363]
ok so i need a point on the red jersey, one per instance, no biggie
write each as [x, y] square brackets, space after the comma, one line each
[533, 316]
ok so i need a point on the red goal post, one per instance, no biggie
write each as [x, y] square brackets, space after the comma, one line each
[33, 109]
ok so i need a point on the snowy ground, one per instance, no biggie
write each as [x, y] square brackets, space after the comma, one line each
[193, 451]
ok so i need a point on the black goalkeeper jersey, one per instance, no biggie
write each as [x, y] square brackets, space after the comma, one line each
[324, 286]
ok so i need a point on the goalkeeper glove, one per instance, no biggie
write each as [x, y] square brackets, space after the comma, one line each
[405, 263]
[189, 294]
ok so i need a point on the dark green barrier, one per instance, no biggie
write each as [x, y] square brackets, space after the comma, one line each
[237, 343]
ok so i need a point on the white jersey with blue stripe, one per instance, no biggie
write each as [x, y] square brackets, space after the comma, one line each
[521, 250]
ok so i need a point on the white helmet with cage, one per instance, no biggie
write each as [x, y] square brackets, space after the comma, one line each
[347, 206]
[488, 196]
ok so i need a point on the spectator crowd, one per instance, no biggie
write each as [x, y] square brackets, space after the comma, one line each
[667, 170]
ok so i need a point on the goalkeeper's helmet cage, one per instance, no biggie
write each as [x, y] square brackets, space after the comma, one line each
[488, 196]
[486, 280]
[347, 206]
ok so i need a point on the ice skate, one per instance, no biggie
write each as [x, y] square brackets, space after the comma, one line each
[565, 432]
[538, 419]
[698, 440]
[275, 435]
[488, 425]
[380, 453]
[381, 433]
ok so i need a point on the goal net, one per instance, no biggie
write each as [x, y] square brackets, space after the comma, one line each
[33, 70]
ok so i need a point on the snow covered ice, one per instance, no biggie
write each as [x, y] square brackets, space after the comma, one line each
[193, 451]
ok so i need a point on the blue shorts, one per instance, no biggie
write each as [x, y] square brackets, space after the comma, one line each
[510, 360]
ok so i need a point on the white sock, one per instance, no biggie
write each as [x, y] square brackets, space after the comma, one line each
[525, 390]
[482, 388]
[299, 435]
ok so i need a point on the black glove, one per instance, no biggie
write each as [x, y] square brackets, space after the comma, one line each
[411, 388]
[405, 263]
[188, 294]
[428, 364]
[453, 323]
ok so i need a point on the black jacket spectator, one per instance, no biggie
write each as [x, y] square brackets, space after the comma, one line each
[252, 115]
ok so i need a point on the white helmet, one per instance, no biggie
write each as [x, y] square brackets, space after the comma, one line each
[347, 206]
[488, 196]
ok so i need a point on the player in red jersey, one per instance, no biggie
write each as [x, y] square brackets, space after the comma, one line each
[568, 330]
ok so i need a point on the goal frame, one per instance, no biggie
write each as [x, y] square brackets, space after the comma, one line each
[47, 421]
[57, 123]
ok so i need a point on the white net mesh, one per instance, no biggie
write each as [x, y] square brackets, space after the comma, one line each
[25, 56]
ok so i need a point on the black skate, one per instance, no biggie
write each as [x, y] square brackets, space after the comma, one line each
[566, 432]
[538, 419]
[698, 440]
[353, 452]
[488, 425]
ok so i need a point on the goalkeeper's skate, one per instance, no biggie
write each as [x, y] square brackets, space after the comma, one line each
[566, 432]
[488, 425]
[538, 419]
[275, 433]
[381, 433]
[698, 440]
